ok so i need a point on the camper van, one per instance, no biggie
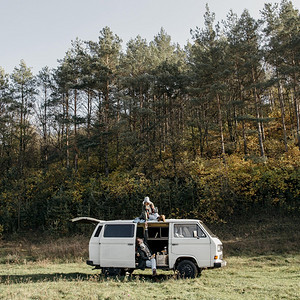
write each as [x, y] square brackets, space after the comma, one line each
[183, 245]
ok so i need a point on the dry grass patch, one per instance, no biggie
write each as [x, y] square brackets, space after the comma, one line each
[260, 235]
[59, 249]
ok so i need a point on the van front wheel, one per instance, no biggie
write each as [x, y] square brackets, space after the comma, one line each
[187, 269]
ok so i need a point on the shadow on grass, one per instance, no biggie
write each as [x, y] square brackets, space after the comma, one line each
[54, 277]
[9, 279]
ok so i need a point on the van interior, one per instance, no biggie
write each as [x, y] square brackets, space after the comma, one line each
[158, 239]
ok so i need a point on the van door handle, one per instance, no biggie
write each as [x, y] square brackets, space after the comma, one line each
[130, 244]
[174, 244]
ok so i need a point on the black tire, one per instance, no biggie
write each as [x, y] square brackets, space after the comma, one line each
[187, 269]
[113, 272]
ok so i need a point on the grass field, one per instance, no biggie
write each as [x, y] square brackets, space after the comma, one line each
[260, 277]
[263, 263]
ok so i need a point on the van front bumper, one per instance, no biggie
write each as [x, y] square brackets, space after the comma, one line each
[220, 264]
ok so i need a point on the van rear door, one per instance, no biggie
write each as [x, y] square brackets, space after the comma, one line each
[117, 245]
[86, 220]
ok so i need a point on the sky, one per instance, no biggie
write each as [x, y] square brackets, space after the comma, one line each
[40, 31]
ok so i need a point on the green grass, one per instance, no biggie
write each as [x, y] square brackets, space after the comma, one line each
[258, 277]
[263, 263]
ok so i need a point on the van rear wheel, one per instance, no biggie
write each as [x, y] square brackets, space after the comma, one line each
[113, 272]
[187, 269]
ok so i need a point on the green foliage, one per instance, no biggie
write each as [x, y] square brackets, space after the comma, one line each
[210, 131]
[211, 191]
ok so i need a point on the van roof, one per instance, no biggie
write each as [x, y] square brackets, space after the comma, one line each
[153, 221]
[96, 221]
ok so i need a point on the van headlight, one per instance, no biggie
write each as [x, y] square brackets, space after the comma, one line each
[220, 248]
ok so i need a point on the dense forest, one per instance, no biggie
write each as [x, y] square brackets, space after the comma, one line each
[209, 131]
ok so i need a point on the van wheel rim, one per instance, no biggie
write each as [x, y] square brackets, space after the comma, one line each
[187, 271]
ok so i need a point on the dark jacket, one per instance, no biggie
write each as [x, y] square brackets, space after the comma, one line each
[144, 253]
[142, 258]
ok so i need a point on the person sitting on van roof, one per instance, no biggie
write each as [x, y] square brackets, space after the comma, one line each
[149, 212]
[145, 258]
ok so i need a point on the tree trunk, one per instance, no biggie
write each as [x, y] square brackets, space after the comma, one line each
[296, 104]
[258, 121]
[67, 132]
[75, 132]
[244, 138]
[89, 114]
[297, 119]
[221, 128]
[45, 142]
[106, 129]
[280, 97]
[21, 141]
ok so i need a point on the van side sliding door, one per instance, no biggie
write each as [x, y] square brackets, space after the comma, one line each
[117, 245]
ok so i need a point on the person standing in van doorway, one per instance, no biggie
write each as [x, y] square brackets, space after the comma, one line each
[149, 211]
[145, 258]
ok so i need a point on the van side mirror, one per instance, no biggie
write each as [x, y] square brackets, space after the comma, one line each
[195, 234]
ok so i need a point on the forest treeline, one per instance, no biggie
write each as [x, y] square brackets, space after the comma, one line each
[207, 131]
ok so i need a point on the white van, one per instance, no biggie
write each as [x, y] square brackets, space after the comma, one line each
[183, 245]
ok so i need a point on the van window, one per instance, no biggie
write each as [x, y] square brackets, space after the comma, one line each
[164, 231]
[154, 232]
[97, 233]
[187, 231]
[158, 232]
[116, 230]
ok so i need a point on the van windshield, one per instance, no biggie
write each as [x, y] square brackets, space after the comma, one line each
[208, 230]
